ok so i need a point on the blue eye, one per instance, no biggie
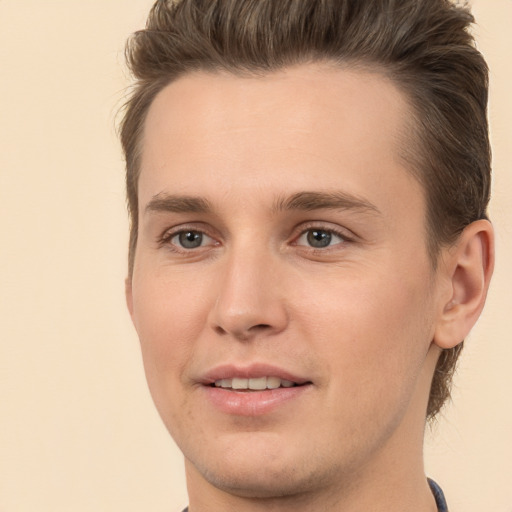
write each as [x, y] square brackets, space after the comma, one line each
[319, 238]
[190, 239]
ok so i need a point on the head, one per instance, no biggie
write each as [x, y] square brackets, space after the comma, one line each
[307, 184]
[424, 48]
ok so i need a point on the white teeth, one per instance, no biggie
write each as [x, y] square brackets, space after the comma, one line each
[273, 382]
[240, 383]
[256, 384]
[260, 383]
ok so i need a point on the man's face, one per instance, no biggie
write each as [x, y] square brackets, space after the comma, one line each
[282, 243]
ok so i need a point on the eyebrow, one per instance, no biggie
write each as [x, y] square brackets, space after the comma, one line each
[301, 201]
[164, 202]
[339, 200]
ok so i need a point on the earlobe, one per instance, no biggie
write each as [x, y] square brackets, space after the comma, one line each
[128, 295]
[469, 264]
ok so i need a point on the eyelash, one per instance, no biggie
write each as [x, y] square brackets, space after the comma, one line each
[165, 240]
[341, 234]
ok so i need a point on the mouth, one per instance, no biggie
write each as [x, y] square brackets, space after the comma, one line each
[255, 383]
[254, 390]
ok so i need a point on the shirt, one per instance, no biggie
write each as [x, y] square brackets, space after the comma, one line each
[439, 496]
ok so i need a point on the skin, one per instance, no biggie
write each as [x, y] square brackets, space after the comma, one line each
[362, 320]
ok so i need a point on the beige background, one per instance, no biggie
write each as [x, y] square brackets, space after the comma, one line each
[78, 431]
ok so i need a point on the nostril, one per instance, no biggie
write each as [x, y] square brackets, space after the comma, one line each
[243, 333]
[259, 327]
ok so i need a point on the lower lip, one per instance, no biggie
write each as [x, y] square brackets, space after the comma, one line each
[252, 403]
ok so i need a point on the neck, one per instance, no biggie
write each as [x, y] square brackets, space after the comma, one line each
[381, 496]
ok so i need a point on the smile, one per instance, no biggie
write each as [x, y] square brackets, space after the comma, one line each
[254, 384]
[253, 390]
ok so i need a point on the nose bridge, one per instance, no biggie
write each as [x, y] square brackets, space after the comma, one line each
[249, 300]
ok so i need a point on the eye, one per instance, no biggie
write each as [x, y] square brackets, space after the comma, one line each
[319, 238]
[190, 239]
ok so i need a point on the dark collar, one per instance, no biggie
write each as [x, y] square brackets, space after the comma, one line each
[439, 496]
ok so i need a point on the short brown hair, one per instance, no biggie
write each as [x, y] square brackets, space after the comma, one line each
[423, 46]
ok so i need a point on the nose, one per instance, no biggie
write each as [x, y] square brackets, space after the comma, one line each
[250, 302]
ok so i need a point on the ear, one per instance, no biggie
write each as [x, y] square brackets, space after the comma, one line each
[128, 293]
[468, 265]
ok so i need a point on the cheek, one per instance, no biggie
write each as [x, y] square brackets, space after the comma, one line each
[168, 318]
[372, 332]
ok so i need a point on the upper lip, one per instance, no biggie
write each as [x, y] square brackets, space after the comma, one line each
[251, 371]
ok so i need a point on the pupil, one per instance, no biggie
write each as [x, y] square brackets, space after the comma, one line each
[317, 238]
[190, 239]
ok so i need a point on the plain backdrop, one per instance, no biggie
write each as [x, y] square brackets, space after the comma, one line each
[78, 430]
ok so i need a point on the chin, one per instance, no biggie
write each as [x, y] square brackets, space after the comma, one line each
[259, 481]
[262, 467]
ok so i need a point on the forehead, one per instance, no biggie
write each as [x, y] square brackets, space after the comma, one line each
[337, 127]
